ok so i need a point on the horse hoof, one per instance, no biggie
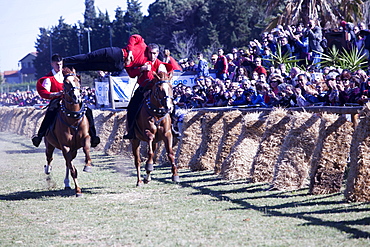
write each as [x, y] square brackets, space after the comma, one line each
[149, 167]
[79, 194]
[139, 184]
[67, 188]
[47, 170]
[176, 179]
[87, 169]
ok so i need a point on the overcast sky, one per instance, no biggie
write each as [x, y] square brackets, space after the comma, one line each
[20, 21]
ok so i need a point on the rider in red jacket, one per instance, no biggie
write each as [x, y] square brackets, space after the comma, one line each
[145, 75]
[51, 87]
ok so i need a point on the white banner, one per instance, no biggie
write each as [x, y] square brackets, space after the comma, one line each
[124, 86]
[102, 92]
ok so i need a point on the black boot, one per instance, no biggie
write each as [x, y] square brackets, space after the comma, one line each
[36, 140]
[46, 122]
[95, 140]
[130, 135]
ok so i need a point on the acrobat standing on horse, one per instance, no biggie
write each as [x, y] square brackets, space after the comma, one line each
[51, 87]
[134, 58]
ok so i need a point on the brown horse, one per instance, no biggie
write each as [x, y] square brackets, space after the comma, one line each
[71, 131]
[153, 124]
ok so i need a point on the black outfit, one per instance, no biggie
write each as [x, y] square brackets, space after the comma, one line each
[133, 109]
[106, 59]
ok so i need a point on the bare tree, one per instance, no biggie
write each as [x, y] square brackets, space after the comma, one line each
[183, 43]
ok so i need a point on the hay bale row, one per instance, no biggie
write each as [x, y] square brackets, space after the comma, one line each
[279, 148]
[277, 127]
[358, 181]
[238, 163]
[231, 131]
[292, 165]
[189, 144]
[211, 126]
[331, 155]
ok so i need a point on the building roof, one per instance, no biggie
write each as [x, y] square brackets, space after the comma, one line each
[34, 54]
[10, 73]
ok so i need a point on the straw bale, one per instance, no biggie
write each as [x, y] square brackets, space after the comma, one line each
[232, 128]
[277, 127]
[108, 123]
[358, 181]
[238, 163]
[6, 118]
[211, 125]
[25, 125]
[22, 121]
[292, 167]
[191, 138]
[115, 143]
[331, 154]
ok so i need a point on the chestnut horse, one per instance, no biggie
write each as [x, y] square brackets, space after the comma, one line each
[71, 131]
[153, 124]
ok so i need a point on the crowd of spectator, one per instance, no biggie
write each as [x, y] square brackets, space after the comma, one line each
[247, 77]
[31, 98]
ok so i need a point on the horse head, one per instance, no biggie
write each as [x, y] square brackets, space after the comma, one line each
[71, 85]
[163, 91]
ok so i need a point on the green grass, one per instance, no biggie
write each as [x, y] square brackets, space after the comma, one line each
[200, 211]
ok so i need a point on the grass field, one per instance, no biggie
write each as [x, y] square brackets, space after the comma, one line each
[200, 211]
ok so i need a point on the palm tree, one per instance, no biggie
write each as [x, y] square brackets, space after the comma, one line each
[329, 12]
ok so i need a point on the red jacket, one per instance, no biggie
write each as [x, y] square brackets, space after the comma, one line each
[55, 86]
[260, 70]
[174, 64]
[144, 77]
[138, 47]
[221, 65]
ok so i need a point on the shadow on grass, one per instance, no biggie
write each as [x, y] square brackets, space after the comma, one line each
[26, 195]
[280, 210]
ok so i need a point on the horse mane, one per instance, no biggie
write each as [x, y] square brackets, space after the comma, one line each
[70, 71]
[67, 71]
[162, 76]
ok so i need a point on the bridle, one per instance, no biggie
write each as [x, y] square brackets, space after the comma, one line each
[70, 92]
[162, 110]
[75, 100]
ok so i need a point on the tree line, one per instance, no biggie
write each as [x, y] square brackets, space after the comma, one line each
[185, 26]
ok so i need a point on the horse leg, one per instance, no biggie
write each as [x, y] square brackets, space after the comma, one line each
[136, 152]
[171, 158]
[49, 157]
[88, 165]
[149, 165]
[69, 156]
[74, 176]
[66, 180]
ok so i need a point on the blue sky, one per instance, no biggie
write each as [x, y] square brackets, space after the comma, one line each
[20, 21]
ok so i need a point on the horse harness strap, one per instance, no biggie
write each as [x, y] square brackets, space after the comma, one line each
[74, 114]
[77, 115]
